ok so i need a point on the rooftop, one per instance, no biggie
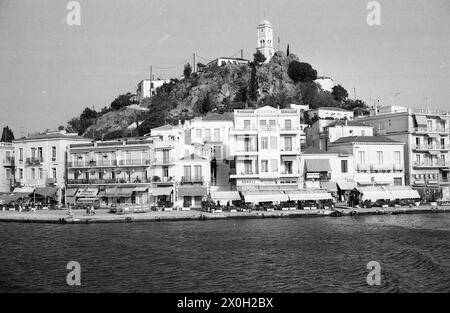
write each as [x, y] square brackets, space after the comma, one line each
[331, 109]
[52, 135]
[165, 127]
[347, 123]
[314, 150]
[364, 139]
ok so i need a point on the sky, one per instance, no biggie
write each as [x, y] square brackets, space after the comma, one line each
[50, 71]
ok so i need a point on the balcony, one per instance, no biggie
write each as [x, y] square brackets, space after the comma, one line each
[92, 163]
[107, 181]
[9, 161]
[191, 179]
[136, 162]
[363, 167]
[428, 164]
[289, 150]
[289, 130]
[425, 130]
[289, 174]
[163, 162]
[247, 130]
[246, 150]
[34, 161]
[245, 174]
[431, 147]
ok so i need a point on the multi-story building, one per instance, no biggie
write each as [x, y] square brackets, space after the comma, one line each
[378, 160]
[40, 161]
[333, 113]
[225, 60]
[325, 131]
[147, 88]
[212, 130]
[266, 146]
[426, 134]
[6, 167]
[115, 171]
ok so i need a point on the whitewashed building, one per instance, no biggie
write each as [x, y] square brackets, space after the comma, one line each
[6, 167]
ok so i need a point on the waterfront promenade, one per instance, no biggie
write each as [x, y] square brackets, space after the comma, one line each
[103, 215]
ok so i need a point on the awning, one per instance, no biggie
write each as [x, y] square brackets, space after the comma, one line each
[70, 192]
[374, 193]
[329, 186]
[6, 199]
[46, 191]
[264, 196]
[24, 189]
[87, 193]
[140, 189]
[421, 120]
[288, 158]
[433, 152]
[432, 135]
[117, 192]
[403, 192]
[192, 191]
[308, 195]
[161, 191]
[225, 195]
[125, 192]
[318, 165]
[346, 185]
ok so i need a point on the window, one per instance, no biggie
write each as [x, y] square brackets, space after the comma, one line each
[198, 200]
[398, 181]
[33, 173]
[380, 157]
[344, 166]
[418, 158]
[363, 133]
[165, 156]
[246, 124]
[264, 166]
[288, 143]
[262, 123]
[273, 143]
[397, 157]
[187, 172]
[207, 134]
[54, 173]
[187, 201]
[41, 173]
[198, 171]
[33, 153]
[20, 154]
[247, 166]
[53, 153]
[21, 173]
[198, 133]
[39, 154]
[274, 165]
[288, 167]
[165, 171]
[272, 123]
[361, 157]
[264, 143]
[217, 134]
[429, 124]
[417, 140]
[287, 124]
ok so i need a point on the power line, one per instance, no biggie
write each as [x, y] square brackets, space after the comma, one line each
[173, 66]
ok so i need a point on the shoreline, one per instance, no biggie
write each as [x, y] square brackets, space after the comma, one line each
[102, 215]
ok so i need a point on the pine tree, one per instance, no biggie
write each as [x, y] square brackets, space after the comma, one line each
[7, 135]
[287, 51]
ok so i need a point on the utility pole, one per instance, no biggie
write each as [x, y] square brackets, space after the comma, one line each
[151, 74]
[242, 53]
[354, 93]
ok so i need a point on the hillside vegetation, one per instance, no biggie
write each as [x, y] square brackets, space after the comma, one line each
[280, 82]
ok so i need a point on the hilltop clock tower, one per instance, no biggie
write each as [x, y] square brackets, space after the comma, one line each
[265, 39]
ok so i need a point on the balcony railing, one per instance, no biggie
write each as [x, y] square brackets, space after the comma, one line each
[432, 164]
[192, 179]
[107, 181]
[247, 149]
[432, 130]
[34, 160]
[163, 161]
[93, 163]
[244, 128]
[9, 161]
[136, 162]
[290, 128]
[431, 147]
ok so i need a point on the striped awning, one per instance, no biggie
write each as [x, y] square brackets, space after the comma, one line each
[421, 120]
[161, 191]
[24, 189]
[403, 192]
[374, 193]
[87, 193]
[318, 165]
[225, 195]
[46, 191]
[308, 195]
[264, 196]
[329, 186]
[346, 185]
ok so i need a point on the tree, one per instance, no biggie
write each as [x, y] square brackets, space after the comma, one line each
[187, 71]
[287, 50]
[339, 93]
[258, 58]
[200, 67]
[301, 72]
[253, 85]
[7, 135]
[122, 101]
